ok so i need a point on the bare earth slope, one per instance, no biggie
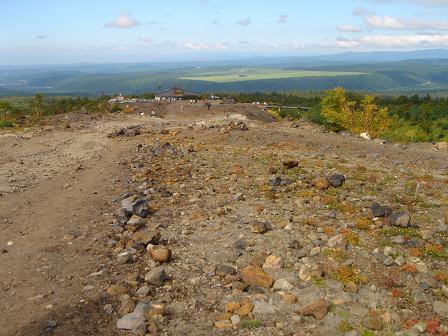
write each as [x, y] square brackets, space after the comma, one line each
[256, 233]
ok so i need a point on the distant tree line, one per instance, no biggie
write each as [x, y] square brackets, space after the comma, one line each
[408, 118]
[18, 111]
[397, 118]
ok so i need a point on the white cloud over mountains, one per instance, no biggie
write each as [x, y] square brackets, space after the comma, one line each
[347, 28]
[124, 21]
[393, 41]
[388, 22]
[426, 33]
[205, 46]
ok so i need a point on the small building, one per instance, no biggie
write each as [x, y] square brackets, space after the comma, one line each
[118, 99]
[175, 94]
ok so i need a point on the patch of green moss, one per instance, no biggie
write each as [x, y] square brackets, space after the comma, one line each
[251, 324]
[344, 326]
[337, 254]
[396, 231]
[367, 333]
[347, 274]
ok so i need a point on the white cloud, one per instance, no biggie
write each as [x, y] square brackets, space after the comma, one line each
[221, 46]
[245, 22]
[205, 46]
[406, 41]
[282, 19]
[197, 46]
[348, 29]
[395, 41]
[346, 43]
[388, 22]
[124, 20]
[360, 11]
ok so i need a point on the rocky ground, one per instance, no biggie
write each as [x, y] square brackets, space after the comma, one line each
[223, 225]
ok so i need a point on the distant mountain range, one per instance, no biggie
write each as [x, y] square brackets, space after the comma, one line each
[386, 72]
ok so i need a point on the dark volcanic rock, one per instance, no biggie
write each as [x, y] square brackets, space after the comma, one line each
[402, 219]
[336, 180]
[380, 210]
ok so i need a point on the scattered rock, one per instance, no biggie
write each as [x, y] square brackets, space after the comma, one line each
[223, 270]
[124, 257]
[365, 136]
[226, 324]
[289, 298]
[157, 277]
[309, 271]
[373, 322]
[278, 181]
[116, 290]
[263, 308]
[290, 164]
[283, 284]
[135, 223]
[160, 254]
[321, 183]
[131, 131]
[137, 207]
[232, 307]
[402, 219]
[260, 227]
[441, 146]
[336, 241]
[146, 237]
[336, 180]
[236, 320]
[440, 308]
[318, 309]
[255, 276]
[142, 291]
[245, 309]
[380, 210]
[127, 305]
[273, 262]
[132, 322]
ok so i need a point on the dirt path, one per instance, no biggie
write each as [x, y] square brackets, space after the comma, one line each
[69, 178]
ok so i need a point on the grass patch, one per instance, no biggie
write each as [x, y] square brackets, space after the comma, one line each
[344, 326]
[351, 237]
[347, 275]
[253, 74]
[367, 333]
[6, 124]
[336, 254]
[396, 231]
[435, 251]
[251, 324]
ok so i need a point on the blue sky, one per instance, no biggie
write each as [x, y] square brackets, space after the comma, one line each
[55, 31]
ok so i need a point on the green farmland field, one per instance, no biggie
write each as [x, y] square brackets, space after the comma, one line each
[253, 74]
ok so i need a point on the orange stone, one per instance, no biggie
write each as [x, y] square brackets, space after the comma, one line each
[255, 276]
[232, 307]
[245, 309]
